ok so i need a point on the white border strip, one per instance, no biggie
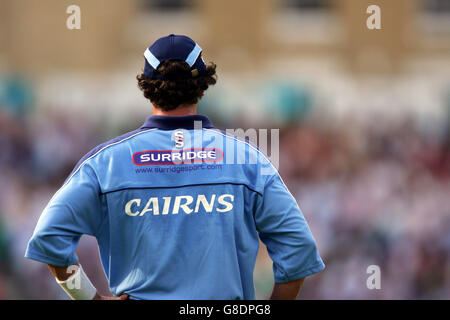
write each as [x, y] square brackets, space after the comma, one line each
[151, 59]
[192, 57]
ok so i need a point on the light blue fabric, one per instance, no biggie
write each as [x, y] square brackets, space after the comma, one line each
[151, 59]
[202, 244]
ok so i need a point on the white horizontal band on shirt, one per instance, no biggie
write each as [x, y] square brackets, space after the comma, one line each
[151, 59]
[192, 57]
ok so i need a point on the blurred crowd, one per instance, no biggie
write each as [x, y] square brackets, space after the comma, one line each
[374, 193]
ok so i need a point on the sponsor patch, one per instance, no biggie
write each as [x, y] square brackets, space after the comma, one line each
[171, 157]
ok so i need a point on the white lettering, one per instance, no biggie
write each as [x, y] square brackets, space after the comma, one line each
[185, 203]
[185, 206]
[145, 157]
[374, 20]
[74, 20]
[176, 156]
[207, 205]
[128, 207]
[211, 154]
[374, 280]
[228, 205]
[149, 207]
[166, 206]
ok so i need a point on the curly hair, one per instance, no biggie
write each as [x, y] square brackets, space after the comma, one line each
[177, 90]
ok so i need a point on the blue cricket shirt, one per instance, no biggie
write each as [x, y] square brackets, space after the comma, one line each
[177, 212]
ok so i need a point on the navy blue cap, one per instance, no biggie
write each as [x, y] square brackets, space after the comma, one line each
[173, 47]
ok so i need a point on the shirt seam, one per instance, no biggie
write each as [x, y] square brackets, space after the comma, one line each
[181, 186]
[104, 148]
[32, 254]
[305, 272]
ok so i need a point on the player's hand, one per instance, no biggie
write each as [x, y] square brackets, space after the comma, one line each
[121, 297]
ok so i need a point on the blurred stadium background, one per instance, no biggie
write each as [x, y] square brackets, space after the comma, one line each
[364, 118]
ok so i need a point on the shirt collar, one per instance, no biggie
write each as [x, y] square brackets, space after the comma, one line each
[178, 122]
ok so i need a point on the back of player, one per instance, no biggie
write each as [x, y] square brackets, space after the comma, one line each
[178, 208]
[192, 215]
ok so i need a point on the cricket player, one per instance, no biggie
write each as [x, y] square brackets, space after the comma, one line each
[177, 206]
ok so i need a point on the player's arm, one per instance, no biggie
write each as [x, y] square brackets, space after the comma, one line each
[73, 211]
[80, 288]
[287, 291]
[286, 234]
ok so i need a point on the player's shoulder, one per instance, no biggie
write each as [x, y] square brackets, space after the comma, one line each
[250, 158]
[108, 145]
[239, 141]
[242, 143]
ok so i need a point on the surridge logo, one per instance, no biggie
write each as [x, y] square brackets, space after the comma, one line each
[171, 157]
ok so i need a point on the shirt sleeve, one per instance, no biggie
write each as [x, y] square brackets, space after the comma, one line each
[286, 234]
[73, 211]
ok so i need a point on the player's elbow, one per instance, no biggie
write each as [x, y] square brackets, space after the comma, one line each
[309, 244]
[51, 249]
